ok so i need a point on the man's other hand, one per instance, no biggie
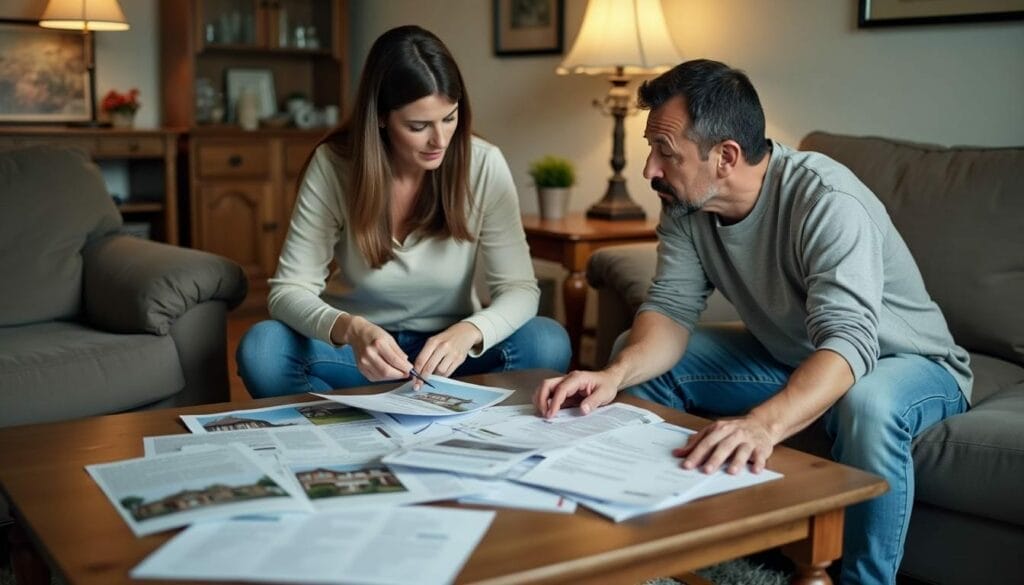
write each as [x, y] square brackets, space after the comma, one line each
[591, 389]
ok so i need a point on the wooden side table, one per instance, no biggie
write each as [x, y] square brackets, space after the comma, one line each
[570, 242]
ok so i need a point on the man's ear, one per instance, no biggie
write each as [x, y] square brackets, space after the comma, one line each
[730, 155]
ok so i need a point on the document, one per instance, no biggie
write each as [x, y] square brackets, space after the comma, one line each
[175, 489]
[382, 546]
[463, 455]
[631, 465]
[287, 442]
[341, 485]
[449, 398]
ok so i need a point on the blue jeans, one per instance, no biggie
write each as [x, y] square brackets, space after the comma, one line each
[727, 372]
[274, 359]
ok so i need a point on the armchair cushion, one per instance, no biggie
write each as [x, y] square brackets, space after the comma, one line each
[136, 286]
[52, 201]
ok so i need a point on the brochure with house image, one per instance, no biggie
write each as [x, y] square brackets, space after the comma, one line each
[176, 489]
[448, 398]
[300, 442]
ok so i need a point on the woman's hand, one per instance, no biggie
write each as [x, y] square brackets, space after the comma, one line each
[378, 356]
[445, 352]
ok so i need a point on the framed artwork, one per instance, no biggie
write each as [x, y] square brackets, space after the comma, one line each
[528, 27]
[260, 81]
[873, 13]
[43, 74]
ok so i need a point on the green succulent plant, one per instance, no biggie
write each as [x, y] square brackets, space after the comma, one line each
[552, 171]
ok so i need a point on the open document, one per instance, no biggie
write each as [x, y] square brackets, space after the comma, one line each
[449, 397]
[175, 489]
[463, 455]
[632, 465]
[380, 546]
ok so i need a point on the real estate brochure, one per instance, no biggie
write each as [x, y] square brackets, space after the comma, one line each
[448, 398]
[465, 455]
[175, 489]
[414, 544]
[298, 442]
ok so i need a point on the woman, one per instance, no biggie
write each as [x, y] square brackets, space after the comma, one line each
[404, 199]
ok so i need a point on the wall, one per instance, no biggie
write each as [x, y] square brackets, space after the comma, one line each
[124, 59]
[950, 84]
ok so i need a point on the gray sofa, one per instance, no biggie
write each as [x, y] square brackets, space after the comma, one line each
[961, 211]
[92, 321]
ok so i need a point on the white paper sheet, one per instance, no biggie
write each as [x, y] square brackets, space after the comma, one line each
[305, 442]
[175, 489]
[379, 546]
[448, 398]
[464, 455]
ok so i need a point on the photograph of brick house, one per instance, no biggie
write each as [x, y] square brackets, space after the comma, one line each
[197, 498]
[348, 480]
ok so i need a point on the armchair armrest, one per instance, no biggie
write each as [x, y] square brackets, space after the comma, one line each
[627, 269]
[132, 285]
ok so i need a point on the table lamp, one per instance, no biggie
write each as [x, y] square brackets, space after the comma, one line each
[621, 39]
[86, 16]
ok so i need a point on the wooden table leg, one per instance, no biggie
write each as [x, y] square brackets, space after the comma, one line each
[814, 554]
[29, 567]
[574, 294]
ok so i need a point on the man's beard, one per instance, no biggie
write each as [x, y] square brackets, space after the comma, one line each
[674, 207]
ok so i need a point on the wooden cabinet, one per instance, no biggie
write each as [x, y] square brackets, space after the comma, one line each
[144, 162]
[242, 184]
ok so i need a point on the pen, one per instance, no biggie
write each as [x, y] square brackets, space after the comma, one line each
[419, 377]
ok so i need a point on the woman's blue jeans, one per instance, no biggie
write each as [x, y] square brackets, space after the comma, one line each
[727, 372]
[274, 359]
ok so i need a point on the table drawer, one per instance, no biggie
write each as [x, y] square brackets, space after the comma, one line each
[128, 146]
[295, 155]
[86, 145]
[233, 160]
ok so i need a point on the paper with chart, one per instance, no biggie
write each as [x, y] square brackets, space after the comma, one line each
[415, 544]
[353, 430]
[632, 465]
[176, 489]
[448, 398]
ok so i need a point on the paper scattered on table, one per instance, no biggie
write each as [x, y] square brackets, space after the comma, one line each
[380, 546]
[463, 455]
[449, 398]
[175, 489]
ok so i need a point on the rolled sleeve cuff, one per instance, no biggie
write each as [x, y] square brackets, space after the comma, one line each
[689, 324]
[325, 324]
[848, 352]
[487, 330]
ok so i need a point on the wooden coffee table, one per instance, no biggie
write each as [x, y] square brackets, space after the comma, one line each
[64, 520]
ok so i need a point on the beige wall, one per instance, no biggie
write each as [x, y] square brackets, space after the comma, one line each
[952, 84]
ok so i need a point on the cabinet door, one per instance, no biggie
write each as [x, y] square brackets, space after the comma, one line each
[239, 220]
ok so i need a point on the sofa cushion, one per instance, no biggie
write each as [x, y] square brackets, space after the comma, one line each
[959, 210]
[974, 462]
[993, 375]
[59, 370]
[52, 201]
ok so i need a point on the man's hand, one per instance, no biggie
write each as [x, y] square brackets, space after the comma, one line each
[378, 356]
[445, 352]
[736, 441]
[594, 389]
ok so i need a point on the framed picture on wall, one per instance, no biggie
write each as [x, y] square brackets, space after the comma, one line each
[528, 27]
[872, 13]
[43, 74]
[260, 81]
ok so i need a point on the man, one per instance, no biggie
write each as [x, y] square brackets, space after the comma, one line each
[838, 322]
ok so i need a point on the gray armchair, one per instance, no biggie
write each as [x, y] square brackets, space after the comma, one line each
[93, 321]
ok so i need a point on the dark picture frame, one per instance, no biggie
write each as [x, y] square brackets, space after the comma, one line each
[44, 77]
[879, 13]
[528, 27]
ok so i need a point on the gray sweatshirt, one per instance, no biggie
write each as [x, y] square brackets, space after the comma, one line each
[817, 264]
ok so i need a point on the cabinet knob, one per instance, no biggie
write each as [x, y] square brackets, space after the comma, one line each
[269, 226]
[235, 160]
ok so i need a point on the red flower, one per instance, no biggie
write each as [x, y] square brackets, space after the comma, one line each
[126, 103]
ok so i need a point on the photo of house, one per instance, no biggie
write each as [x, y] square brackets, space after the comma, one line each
[333, 481]
[189, 499]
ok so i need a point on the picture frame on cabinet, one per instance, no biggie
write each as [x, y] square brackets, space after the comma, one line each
[528, 27]
[877, 13]
[44, 77]
[261, 81]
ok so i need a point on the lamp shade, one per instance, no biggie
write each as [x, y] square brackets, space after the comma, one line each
[622, 33]
[83, 15]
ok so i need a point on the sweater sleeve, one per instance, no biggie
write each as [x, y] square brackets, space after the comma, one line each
[317, 223]
[680, 287]
[841, 252]
[505, 254]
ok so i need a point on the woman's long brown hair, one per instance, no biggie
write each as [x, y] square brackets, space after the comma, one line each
[405, 64]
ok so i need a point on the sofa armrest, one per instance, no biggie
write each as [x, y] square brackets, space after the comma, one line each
[134, 285]
[627, 269]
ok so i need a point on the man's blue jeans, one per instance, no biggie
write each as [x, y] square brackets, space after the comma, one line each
[274, 359]
[727, 372]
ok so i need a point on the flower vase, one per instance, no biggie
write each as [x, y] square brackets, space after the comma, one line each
[122, 119]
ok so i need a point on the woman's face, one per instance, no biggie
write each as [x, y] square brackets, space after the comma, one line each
[419, 133]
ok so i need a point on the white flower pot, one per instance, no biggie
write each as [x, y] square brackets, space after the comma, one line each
[122, 119]
[553, 202]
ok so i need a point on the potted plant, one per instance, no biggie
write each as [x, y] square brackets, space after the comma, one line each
[121, 107]
[553, 176]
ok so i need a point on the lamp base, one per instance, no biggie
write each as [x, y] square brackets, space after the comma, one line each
[616, 203]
